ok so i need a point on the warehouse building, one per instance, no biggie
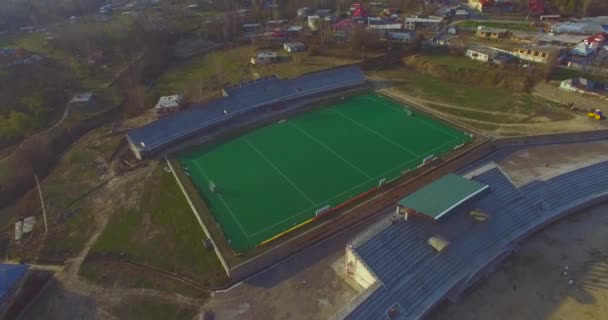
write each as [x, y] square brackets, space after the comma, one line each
[245, 101]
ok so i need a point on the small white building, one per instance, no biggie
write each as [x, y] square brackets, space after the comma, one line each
[294, 47]
[263, 58]
[168, 104]
[82, 101]
[480, 54]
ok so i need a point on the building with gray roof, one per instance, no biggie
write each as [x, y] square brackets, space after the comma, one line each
[245, 100]
[405, 276]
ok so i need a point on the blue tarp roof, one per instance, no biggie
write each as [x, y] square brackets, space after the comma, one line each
[240, 99]
[10, 274]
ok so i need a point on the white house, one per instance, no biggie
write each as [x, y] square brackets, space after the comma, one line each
[294, 47]
[82, 102]
[265, 58]
[480, 54]
[168, 104]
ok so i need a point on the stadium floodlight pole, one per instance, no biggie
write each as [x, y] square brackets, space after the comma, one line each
[46, 228]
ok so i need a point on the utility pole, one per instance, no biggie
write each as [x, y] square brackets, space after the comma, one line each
[46, 228]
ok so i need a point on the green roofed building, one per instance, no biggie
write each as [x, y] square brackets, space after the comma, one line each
[440, 197]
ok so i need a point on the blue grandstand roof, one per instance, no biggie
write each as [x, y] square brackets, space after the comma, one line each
[414, 276]
[241, 98]
[10, 274]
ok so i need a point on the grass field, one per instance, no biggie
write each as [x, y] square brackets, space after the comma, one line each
[462, 94]
[523, 26]
[161, 222]
[276, 178]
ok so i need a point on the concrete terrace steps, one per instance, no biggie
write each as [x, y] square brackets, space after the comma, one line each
[569, 187]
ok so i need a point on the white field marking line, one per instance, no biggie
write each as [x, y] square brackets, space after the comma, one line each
[278, 170]
[332, 197]
[431, 125]
[223, 201]
[340, 194]
[376, 133]
[330, 150]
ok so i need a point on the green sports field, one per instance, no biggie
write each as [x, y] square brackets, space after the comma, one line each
[277, 177]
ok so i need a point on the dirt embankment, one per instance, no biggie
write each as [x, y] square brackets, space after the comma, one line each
[38, 154]
[494, 77]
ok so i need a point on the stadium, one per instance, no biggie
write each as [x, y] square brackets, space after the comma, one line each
[268, 165]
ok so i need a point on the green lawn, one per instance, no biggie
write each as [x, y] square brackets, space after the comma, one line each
[207, 72]
[453, 61]
[460, 94]
[161, 232]
[202, 76]
[277, 177]
[523, 26]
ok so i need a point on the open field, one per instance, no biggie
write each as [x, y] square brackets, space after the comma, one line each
[277, 177]
[495, 111]
[82, 170]
[203, 76]
[523, 26]
[160, 232]
[474, 97]
[454, 62]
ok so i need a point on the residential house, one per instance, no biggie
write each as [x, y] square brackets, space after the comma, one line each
[168, 104]
[82, 102]
[386, 27]
[399, 36]
[526, 36]
[583, 50]
[294, 47]
[251, 28]
[461, 14]
[561, 39]
[586, 86]
[443, 39]
[538, 54]
[417, 23]
[491, 33]
[263, 58]
[294, 30]
[587, 25]
[304, 12]
[484, 5]
[482, 54]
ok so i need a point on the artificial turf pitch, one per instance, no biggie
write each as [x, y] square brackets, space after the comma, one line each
[277, 177]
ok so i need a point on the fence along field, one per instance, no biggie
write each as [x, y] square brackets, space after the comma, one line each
[274, 179]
